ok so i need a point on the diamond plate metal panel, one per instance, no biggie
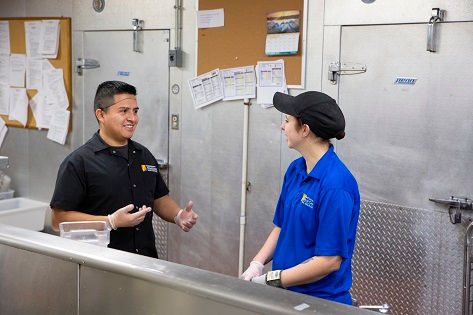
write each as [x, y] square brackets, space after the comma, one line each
[409, 258]
[160, 228]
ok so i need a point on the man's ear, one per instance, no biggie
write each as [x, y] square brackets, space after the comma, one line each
[99, 114]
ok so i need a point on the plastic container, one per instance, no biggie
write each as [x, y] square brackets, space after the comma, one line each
[92, 232]
[6, 194]
[22, 212]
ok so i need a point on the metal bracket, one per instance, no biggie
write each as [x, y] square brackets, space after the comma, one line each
[336, 69]
[137, 26]
[83, 63]
[455, 207]
[437, 16]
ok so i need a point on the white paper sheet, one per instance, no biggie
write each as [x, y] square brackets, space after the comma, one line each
[47, 65]
[3, 131]
[18, 105]
[59, 125]
[4, 69]
[282, 44]
[4, 38]
[32, 34]
[206, 88]
[49, 39]
[239, 83]
[17, 70]
[34, 74]
[53, 85]
[271, 79]
[42, 109]
[4, 99]
[210, 18]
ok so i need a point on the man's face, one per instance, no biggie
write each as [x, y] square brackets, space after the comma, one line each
[118, 121]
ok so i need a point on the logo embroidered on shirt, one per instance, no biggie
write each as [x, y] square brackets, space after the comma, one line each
[306, 200]
[149, 168]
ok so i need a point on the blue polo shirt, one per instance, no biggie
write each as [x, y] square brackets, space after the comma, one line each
[318, 214]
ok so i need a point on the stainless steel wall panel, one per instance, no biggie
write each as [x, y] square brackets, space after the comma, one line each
[32, 283]
[410, 258]
[264, 162]
[347, 12]
[117, 15]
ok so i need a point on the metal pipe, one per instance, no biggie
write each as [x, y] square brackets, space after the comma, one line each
[244, 181]
[178, 26]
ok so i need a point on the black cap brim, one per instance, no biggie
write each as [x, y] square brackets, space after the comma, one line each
[284, 103]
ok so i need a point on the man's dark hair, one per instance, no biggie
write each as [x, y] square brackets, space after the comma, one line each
[106, 90]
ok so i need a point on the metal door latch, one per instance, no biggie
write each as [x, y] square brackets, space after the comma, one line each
[162, 164]
[455, 207]
[437, 16]
[336, 69]
[83, 63]
[137, 26]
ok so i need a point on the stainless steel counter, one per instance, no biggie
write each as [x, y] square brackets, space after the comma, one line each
[45, 274]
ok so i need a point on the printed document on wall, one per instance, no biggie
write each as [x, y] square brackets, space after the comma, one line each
[32, 34]
[4, 38]
[210, 18]
[206, 88]
[18, 105]
[53, 84]
[271, 79]
[4, 99]
[3, 131]
[239, 83]
[17, 70]
[5, 69]
[59, 124]
[34, 74]
[49, 39]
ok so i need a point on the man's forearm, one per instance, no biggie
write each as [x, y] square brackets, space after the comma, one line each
[166, 208]
[60, 215]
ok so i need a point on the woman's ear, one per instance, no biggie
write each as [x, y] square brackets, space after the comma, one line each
[305, 130]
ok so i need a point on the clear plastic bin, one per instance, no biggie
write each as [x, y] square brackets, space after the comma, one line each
[7, 194]
[92, 232]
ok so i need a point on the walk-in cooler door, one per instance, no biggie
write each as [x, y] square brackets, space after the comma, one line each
[409, 137]
[148, 71]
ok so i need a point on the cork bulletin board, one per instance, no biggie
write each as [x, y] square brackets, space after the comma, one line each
[242, 39]
[63, 60]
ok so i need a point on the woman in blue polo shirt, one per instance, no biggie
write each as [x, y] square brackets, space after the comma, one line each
[316, 216]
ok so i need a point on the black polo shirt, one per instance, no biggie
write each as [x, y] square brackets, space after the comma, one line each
[96, 179]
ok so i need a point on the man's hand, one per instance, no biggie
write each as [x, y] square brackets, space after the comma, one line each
[186, 218]
[254, 270]
[123, 218]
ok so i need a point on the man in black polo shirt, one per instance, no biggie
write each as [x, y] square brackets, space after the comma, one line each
[114, 179]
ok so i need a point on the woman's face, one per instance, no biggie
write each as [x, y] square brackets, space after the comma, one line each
[292, 130]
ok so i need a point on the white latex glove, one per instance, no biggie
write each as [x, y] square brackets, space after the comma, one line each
[123, 218]
[254, 270]
[186, 218]
[260, 279]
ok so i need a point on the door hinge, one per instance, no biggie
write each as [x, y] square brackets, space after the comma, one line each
[336, 69]
[83, 63]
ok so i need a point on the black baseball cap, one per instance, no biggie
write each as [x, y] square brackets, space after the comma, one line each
[318, 110]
